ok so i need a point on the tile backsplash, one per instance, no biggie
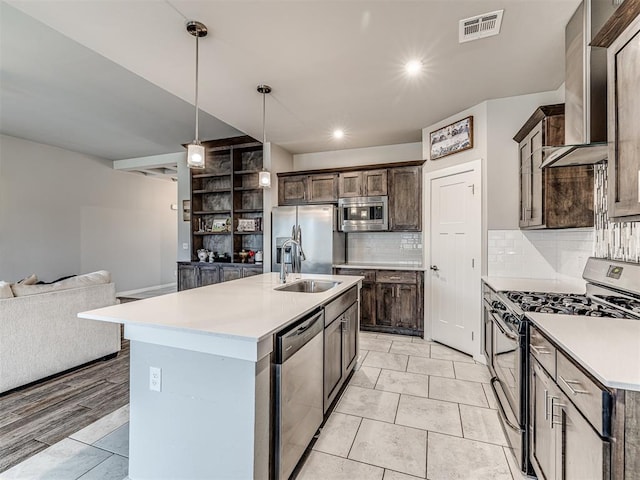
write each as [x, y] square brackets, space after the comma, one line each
[539, 253]
[617, 241]
[385, 247]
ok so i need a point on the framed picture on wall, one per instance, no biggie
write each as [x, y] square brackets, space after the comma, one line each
[454, 138]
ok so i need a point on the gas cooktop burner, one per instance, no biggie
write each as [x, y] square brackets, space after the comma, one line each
[570, 304]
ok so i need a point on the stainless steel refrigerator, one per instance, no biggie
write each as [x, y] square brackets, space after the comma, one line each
[322, 243]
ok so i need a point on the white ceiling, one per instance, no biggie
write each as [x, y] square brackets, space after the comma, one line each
[118, 76]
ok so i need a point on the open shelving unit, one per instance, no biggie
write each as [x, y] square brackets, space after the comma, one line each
[227, 189]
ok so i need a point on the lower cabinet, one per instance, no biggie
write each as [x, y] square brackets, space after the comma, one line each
[390, 301]
[200, 274]
[340, 343]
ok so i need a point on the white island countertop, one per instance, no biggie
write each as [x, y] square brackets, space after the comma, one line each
[235, 319]
[568, 285]
[608, 348]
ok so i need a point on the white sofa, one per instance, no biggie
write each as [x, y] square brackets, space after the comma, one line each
[41, 335]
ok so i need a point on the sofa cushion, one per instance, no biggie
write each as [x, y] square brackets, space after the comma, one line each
[5, 290]
[94, 278]
[30, 280]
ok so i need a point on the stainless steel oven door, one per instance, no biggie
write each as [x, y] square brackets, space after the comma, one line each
[506, 363]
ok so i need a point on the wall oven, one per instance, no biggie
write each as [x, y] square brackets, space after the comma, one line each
[363, 214]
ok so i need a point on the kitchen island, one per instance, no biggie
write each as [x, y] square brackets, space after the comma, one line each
[201, 374]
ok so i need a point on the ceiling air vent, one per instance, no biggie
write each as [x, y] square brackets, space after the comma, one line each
[480, 26]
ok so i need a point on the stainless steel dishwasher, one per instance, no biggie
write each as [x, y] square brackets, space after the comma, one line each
[299, 383]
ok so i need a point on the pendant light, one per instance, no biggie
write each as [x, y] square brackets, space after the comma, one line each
[195, 151]
[264, 177]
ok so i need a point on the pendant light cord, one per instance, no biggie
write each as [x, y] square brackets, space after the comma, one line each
[197, 57]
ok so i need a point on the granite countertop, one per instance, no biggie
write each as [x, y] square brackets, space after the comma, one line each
[381, 266]
[229, 318]
[568, 285]
[608, 348]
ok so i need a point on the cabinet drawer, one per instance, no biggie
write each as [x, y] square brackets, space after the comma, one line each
[337, 306]
[369, 275]
[543, 351]
[590, 398]
[390, 276]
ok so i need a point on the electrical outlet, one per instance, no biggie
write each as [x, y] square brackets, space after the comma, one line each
[155, 379]
[185, 246]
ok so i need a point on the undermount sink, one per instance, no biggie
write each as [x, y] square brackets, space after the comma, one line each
[308, 286]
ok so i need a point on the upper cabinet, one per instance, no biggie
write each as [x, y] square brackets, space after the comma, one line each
[560, 197]
[623, 58]
[405, 199]
[402, 183]
[304, 189]
[362, 184]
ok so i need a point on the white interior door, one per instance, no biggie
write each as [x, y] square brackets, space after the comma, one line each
[456, 210]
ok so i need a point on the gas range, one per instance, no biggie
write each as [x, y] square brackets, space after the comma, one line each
[571, 304]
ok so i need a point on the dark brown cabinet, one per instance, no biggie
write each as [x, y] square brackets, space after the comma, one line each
[560, 197]
[304, 189]
[623, 57]
[200, 274]
[405, 199]
[390, 301]
[340, 343]
[362, 184]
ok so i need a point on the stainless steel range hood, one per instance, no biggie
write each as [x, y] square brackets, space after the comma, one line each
[585, 89]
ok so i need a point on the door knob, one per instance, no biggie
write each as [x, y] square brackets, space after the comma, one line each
[434, 268]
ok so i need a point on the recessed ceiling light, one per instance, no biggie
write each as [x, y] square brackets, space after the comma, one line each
[338, 133]
[413, 67]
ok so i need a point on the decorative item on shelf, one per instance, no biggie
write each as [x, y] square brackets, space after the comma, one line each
[195, 151]
[221, 225]
[203, 254]
[264, 177]
[453, 138]
[246, 225]
[243, 256]
[259, 257]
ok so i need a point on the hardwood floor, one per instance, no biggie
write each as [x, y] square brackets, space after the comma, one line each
[37, 416]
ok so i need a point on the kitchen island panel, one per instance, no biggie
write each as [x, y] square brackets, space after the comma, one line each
[210, 419]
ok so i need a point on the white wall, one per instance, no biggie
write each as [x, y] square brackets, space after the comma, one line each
[403, 152]
[64, 213]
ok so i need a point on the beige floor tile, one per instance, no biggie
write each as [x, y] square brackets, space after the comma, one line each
[421, 340]
[481, 424]
[320, 466]
[453, 458]
[515, 469]
[375, 344]
[390, 361]
[403, 382]
[338, 434]
[472, 372]
[491, 398]
[445, 353]
[395, 338]
[417, 349]
[459, 391]
[430, 366]
[365, 402]
[429, 414]
[365, 377]
[395, 447]
[391, 475]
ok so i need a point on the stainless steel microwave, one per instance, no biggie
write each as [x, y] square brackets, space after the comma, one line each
[363, 214]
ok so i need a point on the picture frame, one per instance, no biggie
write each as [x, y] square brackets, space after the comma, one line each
[453, 138]
[246, 225]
